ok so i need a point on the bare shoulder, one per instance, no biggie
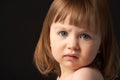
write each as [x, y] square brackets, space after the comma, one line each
[88, 74]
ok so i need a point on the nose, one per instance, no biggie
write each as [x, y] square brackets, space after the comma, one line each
[73, 43]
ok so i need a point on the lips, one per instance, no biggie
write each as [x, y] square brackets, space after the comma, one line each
[70, 56]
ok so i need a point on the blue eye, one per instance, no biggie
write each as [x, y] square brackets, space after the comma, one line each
[63, 33]
[84, 36]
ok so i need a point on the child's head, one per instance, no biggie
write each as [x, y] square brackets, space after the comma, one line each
[94, 14]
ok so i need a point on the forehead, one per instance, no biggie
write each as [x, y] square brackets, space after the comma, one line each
[80, 14]
[82, 23]
[86, 21]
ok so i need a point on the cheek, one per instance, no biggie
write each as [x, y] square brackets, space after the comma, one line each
[56, 50]
[92, 56]
[55, 45]
[88, 59]
[53, 50]
[89, 54]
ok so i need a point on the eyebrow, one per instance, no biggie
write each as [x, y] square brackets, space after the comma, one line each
[61, 26]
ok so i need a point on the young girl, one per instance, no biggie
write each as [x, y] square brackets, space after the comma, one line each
[77, 41]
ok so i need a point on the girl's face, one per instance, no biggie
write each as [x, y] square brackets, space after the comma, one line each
[73, 47]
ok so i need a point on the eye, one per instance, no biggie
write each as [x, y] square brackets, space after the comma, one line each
[84, 36]
[63, 33]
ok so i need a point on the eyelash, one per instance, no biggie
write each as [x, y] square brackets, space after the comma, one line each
[85, 36]
[82, 35]
[63, 33]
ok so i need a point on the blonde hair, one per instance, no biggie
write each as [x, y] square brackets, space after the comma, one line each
[91, 11]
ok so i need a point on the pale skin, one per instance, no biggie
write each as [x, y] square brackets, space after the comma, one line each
[74, 48]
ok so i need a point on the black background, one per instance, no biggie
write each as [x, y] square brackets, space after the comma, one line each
[20, 26]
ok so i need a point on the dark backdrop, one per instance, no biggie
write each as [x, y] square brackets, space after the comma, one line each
[20, 26]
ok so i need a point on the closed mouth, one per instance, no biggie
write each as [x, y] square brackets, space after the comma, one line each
[71, 56]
